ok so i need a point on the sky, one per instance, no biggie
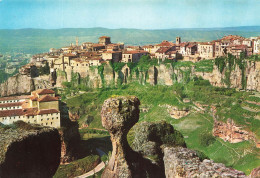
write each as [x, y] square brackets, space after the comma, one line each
[140, 14]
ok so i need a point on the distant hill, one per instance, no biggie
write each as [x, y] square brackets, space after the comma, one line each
[40, 40]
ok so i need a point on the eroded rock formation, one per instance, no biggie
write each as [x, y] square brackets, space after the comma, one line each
[119, 114]
[255, 173]
[22, 84]
[150, 136]
[184, 163]
[31, 152]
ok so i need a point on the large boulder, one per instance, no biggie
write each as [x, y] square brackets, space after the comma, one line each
[150, 136]
[29, 152]
[119, 114]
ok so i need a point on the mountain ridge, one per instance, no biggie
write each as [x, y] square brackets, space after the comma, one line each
[41, 40]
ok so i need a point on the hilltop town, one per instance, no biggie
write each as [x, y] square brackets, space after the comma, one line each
[80, 56]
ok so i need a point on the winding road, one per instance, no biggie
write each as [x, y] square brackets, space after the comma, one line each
[98, 168]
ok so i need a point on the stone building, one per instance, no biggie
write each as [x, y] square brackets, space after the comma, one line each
[164, 53]
[104, 40]
[41, 107]
[133, 56]
[206, 50]
[256, 47]
[114, 56]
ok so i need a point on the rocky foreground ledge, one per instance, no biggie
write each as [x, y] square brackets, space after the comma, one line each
[119, 114]
[183, 162]
[28, 151]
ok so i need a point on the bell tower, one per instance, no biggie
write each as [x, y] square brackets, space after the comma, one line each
[178, 40]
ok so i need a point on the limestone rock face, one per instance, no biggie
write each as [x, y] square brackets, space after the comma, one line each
[255, 173]
[30, 153]
[150, 136]
[108, 75]
[93, 79]
[252, 74]
[165, 73]
[119, 114]
[22, 84]
[182, 162]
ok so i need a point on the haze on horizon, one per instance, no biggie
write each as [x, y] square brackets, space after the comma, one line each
[140, 14]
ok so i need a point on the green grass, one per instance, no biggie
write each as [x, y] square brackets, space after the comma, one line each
[204, 66]
[78, 167]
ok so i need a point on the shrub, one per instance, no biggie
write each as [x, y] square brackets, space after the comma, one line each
[206, 139]
[201, 155]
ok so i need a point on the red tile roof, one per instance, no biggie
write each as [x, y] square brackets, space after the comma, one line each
[15, 98]
[47, 98]
[134, 52]
[43, 91]
[6, 113]
[148, 46]
[11, 104]
[166, 43]
[70, 55]
[163, 49]
[19, 112]
[104, 37]
[98, 45]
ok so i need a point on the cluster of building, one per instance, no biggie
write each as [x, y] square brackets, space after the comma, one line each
[41, 107]
[79, 57]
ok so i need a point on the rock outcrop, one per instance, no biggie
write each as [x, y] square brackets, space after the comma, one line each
[150, 136]
[22, 84]
[184, 163]
[255, 173]
[164, 74]
[70, 137]
[252, 73]
[28, 151]
[119, 114]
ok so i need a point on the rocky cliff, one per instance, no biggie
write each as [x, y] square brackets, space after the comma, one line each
[28, 151]
[252, 76]
[23, 84]
[164, 74]
[183, 163]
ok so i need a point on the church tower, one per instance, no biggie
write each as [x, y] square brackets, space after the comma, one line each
[178, 40]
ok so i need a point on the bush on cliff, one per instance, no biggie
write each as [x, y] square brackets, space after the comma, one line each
[206, 139]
